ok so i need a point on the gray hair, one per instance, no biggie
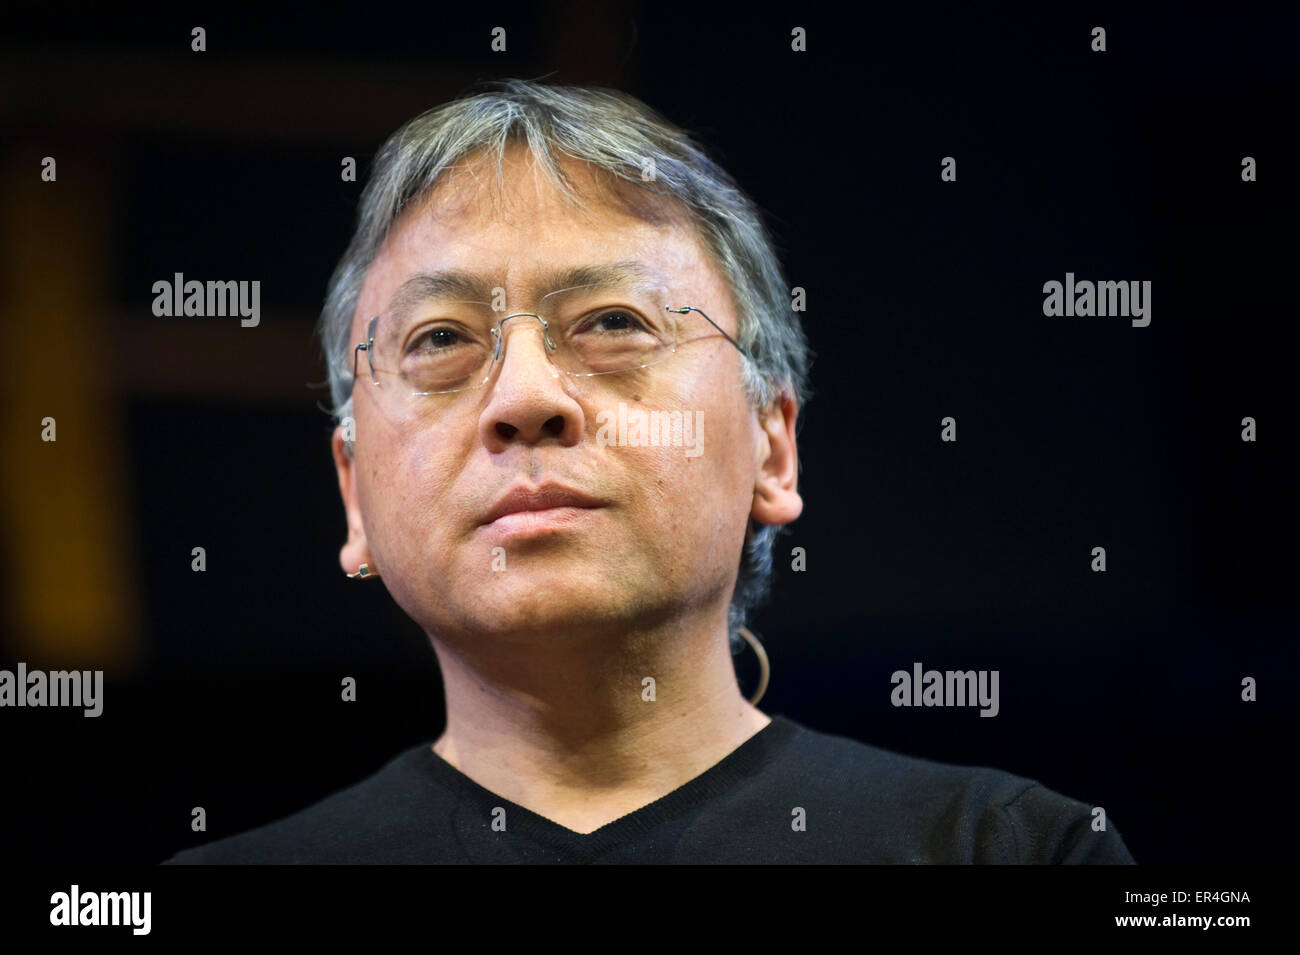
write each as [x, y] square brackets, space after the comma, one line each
[617, 133]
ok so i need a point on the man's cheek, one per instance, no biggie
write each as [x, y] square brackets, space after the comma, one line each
[664, 486]
[674, 501]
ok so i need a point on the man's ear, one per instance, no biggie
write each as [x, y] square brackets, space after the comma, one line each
[355, 552]
[776, 495]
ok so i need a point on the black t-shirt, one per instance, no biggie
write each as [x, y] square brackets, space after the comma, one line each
[788, 794]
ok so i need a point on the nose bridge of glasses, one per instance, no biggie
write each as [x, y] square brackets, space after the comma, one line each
[502, 329]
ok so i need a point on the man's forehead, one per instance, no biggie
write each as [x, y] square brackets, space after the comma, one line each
[476, 228]
[429, 261]
[469, 285]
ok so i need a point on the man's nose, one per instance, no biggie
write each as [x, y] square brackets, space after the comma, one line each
[528, 397]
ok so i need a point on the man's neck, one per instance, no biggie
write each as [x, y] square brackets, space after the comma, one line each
[585, 734]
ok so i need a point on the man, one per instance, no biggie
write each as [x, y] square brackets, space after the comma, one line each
[567, 378]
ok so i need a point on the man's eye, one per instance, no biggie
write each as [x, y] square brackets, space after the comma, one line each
[436, 339]
[615, 322]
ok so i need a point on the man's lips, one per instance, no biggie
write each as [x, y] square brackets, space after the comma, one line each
[545, 498]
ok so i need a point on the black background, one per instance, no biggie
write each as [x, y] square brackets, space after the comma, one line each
[924, 300]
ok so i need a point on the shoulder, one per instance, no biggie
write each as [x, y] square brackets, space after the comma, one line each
[923, 811]
[367, 819]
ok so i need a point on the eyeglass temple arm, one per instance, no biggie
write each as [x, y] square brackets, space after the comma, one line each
[362, 346]
[692, 308]
[365, 347]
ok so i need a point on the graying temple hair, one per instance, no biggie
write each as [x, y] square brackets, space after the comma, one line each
[622, 136]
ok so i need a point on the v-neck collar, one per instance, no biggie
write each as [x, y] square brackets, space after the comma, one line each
[741, 763]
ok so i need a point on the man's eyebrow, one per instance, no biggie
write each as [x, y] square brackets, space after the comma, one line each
[600, 277]
[461, 286]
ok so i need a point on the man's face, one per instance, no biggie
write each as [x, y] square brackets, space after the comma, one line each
[666, 536]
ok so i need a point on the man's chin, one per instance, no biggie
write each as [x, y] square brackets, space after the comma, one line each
[570, 600]
[560, 620]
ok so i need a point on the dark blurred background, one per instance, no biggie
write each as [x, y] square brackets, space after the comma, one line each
[924, 300]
